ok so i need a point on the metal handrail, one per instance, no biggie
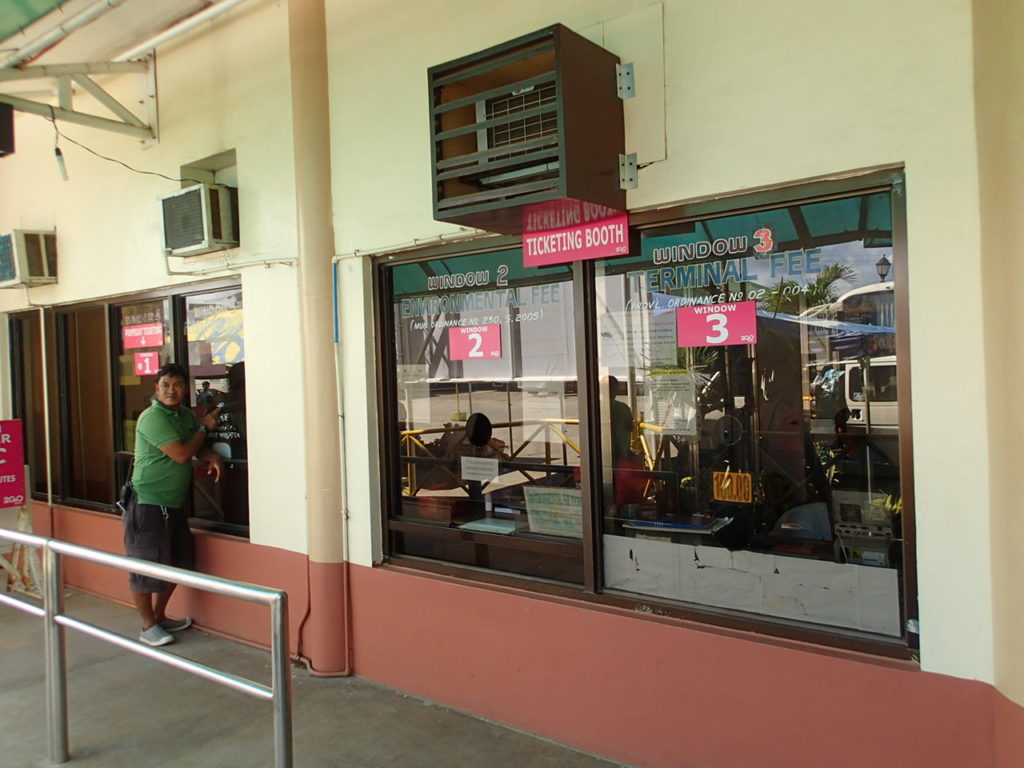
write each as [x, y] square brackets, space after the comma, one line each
[279, 691]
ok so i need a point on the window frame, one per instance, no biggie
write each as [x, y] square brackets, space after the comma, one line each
[889, 180]
[58, 372]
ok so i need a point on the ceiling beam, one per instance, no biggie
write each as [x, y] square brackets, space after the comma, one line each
[88, 68]
[79, 118]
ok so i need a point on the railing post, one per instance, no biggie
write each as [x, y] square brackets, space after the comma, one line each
[56, 659]
[281, 681]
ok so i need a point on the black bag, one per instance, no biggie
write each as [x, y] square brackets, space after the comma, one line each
[127, 491]
[125, 497]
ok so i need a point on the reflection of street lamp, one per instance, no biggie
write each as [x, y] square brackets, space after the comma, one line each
[882, 267]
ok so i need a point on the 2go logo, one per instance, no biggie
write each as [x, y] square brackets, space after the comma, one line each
[717, 325]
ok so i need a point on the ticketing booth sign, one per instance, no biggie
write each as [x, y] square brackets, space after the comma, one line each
[566, 230]
[12, 464]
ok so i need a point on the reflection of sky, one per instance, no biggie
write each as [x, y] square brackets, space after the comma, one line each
[852, 254]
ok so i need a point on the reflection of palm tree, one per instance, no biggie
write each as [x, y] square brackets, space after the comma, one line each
[792, 298]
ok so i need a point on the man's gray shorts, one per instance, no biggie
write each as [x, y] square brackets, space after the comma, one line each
[160, 535]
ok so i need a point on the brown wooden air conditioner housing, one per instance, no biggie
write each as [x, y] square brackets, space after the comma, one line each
[528, 121]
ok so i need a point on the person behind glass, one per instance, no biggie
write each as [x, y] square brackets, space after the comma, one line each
[204, 395]
[167, 437]
[629, 478]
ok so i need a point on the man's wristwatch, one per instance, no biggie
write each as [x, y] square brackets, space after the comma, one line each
[203, 429]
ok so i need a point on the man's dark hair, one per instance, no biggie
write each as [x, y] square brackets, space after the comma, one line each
[172, 369]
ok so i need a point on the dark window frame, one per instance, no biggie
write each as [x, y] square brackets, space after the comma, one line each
[59, 370]
[888, 180]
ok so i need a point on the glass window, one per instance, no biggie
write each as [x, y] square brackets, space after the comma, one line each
[484, 407]
[94, 404]
[743, 416]
[749, 418]
[216, 365]
[79, 409]
[144, 343]
[86, 412]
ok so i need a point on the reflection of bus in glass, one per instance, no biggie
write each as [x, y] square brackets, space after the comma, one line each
[868, 305]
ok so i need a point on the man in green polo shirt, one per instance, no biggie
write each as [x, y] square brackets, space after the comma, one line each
[167, 437]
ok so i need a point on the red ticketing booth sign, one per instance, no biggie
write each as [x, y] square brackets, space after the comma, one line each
[12, 464]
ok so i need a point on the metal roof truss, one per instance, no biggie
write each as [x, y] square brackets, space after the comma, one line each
[142, 123]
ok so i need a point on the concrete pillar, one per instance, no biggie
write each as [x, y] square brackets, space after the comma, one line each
[324, 640]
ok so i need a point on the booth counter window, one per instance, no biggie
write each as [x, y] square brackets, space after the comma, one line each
[485, 426]
[100, 360]
[742, 396]
[749, 371]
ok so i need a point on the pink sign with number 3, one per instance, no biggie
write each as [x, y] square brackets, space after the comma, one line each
[717, 325]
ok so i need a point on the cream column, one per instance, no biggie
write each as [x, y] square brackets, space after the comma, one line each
[324, 638]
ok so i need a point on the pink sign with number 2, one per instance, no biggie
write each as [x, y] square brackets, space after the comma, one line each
[717, 325]
[477, 342]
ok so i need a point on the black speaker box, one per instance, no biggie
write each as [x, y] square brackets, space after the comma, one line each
[6, 129]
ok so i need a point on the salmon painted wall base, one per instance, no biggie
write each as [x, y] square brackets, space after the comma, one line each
[657, 693]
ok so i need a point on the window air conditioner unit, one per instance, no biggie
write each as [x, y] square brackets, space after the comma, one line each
[200, 219]
[27, 257]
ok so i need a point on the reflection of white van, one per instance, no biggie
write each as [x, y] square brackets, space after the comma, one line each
[870, 389]
[867, 391]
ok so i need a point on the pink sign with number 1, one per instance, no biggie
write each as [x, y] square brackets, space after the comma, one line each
[717, 325]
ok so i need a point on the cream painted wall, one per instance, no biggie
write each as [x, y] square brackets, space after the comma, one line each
[224, 86]
[752, 98]
[999, 42]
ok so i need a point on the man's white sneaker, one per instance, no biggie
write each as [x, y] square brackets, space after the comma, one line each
[155, 635]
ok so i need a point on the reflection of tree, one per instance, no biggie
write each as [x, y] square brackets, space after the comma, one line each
[791, 298]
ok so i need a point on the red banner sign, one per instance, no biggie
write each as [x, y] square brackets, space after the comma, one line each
[12, 464]
[139, 336]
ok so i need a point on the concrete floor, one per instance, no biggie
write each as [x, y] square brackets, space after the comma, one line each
[126, 711]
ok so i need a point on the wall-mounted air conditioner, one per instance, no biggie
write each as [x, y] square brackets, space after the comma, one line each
[533, 120]
[200, 219]
[27, 257]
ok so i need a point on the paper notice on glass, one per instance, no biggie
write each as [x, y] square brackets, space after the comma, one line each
[637, 339]
[482, 470]
[554, 511]
[671, 402]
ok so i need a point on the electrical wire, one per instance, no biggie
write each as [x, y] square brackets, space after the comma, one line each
[60, 135]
